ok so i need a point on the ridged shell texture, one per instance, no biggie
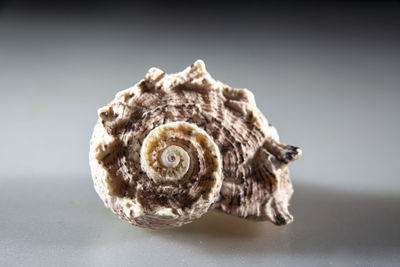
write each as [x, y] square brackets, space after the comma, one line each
[170, 148]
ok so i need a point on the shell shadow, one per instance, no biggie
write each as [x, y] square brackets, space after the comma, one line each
[215, 224]
[324, 221]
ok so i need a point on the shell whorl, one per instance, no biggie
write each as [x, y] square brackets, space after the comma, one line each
[182, 155]
[180, 177]
[164, 155]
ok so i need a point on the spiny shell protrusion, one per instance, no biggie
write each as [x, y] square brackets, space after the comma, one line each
[173, 146]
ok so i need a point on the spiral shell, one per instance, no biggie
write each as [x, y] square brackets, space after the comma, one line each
[172, 147]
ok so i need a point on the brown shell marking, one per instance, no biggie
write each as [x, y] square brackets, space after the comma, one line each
[253, 163]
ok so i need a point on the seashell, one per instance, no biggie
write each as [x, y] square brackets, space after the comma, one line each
[172, 147]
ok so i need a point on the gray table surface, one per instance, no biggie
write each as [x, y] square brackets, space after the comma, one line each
[330, 86]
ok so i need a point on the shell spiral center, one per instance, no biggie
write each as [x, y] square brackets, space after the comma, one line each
[176, 162]
[172, 151]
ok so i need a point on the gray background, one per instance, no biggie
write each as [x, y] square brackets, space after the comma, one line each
[326, 75]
